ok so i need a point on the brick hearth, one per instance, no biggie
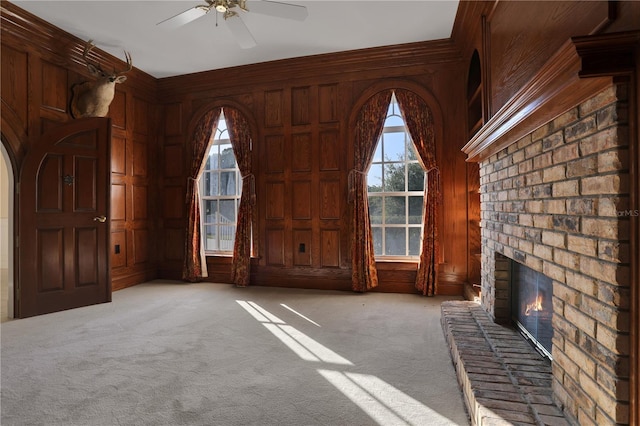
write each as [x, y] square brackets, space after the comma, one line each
[503, 379]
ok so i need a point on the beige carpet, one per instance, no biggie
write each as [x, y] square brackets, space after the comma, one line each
[167, 353]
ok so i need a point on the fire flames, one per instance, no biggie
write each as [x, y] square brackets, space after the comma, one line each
[536, 306]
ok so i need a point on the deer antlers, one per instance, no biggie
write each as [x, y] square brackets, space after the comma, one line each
[96, 69]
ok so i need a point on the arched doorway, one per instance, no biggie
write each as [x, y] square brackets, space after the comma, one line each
[6, 235]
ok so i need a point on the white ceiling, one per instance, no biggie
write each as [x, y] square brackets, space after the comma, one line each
[331, 26]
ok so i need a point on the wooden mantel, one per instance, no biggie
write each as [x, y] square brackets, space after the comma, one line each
[558, 86]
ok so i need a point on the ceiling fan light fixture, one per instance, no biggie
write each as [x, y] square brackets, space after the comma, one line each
[221, 8]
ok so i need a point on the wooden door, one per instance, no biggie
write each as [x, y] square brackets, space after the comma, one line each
[63, 220]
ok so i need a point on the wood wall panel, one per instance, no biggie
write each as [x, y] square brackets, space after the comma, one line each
[54, 83]
[330, 195]
[301, 200]
[330, 248]
[173, 161]
[329, 147]
[140, 158]
[118, 110]
[118, 202]
[173, 119]
[275, 153]
[302, 247]
[173, 202]
[300, 106]
[14, 83]
[118, 155]
[140, 116]
[140, 202]
[520, 47]
[275, 247]
[273, 108]
[140, 245]
[301, 152]
[174, 244]
[275, 200]
[328, 103]
[118, 249]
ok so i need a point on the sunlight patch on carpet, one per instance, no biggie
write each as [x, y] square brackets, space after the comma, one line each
[304, 346]
[299, 314]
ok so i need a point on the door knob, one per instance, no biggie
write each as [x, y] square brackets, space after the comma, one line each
[101, 219]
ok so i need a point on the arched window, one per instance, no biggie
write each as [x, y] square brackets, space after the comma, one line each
[220, 191]
[396, 189]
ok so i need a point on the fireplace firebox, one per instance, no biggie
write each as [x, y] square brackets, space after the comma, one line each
[532, 306]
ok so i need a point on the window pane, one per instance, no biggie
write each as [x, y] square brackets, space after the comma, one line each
[393, 121]
[416, 177]
[393, 146]
[210, 184]
[377, 240]
[395, 242]
[394, 177]
[414, 241]
[228, 183]
[374, 178]
[227, 159]
[227, 211]
[222, 128]
[210, 210]
[411, 150]
[394, 210]
[205, 183]
[227, 235]
[377, 156]
[210, 238]
[375, 210]
[214, 160]
[415, 210]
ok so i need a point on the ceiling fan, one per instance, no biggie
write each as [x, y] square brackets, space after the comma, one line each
[228, 10]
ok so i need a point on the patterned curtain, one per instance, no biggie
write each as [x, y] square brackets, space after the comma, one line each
[240, 135]
[419, 121]
[368, 130]
[195, 262]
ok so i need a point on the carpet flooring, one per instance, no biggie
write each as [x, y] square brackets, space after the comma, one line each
[169, 353]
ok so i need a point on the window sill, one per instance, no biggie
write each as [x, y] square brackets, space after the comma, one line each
[397, 259]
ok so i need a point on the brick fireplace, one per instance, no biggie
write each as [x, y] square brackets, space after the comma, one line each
[558, 202]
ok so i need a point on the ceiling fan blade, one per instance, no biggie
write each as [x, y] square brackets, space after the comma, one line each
[241, 32]
[280, 10]
[183, 17]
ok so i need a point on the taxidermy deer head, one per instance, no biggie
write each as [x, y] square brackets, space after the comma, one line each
[92, 98]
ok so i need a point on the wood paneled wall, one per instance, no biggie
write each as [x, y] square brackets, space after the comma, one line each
[302, 155]
[40, 63]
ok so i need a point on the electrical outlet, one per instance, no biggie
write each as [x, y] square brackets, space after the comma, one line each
[117, 249]
[302, 248]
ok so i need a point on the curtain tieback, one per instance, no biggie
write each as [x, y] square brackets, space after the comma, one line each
[191, 187]
[352, 183]
[435, 171]
[250, 179]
